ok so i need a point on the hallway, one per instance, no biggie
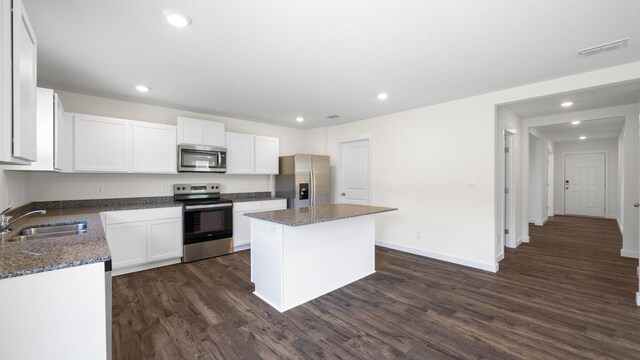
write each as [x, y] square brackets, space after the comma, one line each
[577, 279]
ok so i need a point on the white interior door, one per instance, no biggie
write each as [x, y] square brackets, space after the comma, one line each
[584, 183]
[355, 172]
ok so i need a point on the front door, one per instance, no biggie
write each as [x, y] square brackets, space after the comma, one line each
[584, 184]
[355, 172]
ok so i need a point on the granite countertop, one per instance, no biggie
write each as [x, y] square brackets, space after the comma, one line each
[39, 255]
[253, 196]
[317, 214]
[257, 198]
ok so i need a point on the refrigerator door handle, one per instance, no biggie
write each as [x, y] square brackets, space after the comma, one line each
[312, 196]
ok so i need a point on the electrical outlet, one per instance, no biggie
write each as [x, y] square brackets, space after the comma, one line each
[165, 189]
[99, 190]
[418, 234]
[9, 200]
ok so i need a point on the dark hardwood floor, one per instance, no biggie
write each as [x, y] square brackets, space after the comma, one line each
[566, 295]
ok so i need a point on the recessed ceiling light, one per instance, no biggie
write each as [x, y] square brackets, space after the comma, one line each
[299, 119]
[582, 137]
[383, 96]
[142, 88]
[575, 122]
[177, 18]
[566, 104]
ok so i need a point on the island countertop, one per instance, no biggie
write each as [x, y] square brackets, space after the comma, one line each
[317, 214]
[26, 257]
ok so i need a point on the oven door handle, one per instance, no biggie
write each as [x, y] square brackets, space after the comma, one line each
[211, 206]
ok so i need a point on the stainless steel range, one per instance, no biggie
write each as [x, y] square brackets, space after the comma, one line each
[207, 221]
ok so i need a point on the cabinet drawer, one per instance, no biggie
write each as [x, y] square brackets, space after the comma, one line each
[247, 206]
[125, 216]
[274, 204]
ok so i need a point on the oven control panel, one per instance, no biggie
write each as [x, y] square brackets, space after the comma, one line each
[211, 188]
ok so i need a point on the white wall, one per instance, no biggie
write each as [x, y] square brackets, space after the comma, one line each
[508, 120]
[631, 229]
[56, 186]
[621, 172]
[534, 179]
[14, 189]
[424, 158]
[607, 146]
[539, 148]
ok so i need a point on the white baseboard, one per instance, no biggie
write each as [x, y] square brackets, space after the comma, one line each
[500, 257]
[638, 298]
[242, 247]
[522, 240]
[438, 256]
[541, 223]
[142, 267]
[629, 253]
[612, 217]
[619, 224]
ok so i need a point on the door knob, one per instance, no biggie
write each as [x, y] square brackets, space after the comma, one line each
[344, 194]
[636, 205]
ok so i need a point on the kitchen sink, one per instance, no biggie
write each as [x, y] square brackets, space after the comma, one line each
[47, 231]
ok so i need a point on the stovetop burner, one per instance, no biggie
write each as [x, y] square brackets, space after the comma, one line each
[194, 194]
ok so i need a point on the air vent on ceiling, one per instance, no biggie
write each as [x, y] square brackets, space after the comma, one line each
[614, 45]
[333, 116]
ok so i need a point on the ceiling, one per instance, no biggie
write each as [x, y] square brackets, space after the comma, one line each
[588, 99]
[272, 61]
[599, 129]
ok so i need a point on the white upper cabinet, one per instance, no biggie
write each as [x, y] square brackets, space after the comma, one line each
[53, 135]
[102, 144]
[18, 75]
[267, 150]
[200, 132]
[240, 153]
[251, 154]
[62, 137]
[24, 85]
[154, 148]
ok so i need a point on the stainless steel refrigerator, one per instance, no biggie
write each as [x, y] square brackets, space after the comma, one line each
[305, 180]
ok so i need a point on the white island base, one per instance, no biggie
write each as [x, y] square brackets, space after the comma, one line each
[291, 265]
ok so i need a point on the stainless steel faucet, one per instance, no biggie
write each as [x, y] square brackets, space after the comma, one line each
[5, 223]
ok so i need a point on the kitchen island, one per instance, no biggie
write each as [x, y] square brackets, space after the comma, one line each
[300, 254]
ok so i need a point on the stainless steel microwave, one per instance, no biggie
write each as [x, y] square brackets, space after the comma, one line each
[200, 158]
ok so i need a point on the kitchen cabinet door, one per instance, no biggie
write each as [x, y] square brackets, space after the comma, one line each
[190, 131]
[267, 153]
[58, 314]
[200, 132]
[154, 148]
[24, 85]
[164, 239]
[241, 229]
[128, 244]
[60, 136]
[242, 223]
[102, 144]
[240, 153]
[214, 133]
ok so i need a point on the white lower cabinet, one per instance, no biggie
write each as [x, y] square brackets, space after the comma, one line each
[127, 243]
[162, 235]
[58, 314]
[242, 224]
[143, 239]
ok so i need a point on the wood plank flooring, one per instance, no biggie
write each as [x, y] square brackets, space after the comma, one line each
[566, 295]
